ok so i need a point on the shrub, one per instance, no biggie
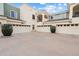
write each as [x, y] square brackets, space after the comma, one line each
[52, 29]
[7, 29]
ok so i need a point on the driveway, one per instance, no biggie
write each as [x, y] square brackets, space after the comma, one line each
[39, 44]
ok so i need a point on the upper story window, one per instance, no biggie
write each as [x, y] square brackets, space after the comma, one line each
[39, 18]
[45, 16]
[51, 17]
[13, 14]
[33, 16]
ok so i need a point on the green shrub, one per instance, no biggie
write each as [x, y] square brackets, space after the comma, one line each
[7, 29]
[52, 29]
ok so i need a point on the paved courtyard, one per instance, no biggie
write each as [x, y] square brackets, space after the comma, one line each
[39, 44]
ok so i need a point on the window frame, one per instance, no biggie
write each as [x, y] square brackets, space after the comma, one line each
[15, 14]
[33, 16]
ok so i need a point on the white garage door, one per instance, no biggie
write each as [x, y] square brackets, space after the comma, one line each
[68, 28]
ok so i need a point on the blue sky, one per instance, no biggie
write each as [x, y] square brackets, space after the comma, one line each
[51, 8]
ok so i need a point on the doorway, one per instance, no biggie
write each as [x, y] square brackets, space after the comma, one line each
[33, 27]
[39, 18]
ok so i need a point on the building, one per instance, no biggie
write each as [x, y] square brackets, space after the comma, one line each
[27, 19]
[9, 14]
[32, 17]
[70, 25]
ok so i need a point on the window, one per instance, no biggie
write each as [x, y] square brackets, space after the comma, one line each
[64, 24]
[13, 14]
[33, 16]
[39, 18]
[72, 24]
[61, 25]
[45, 16]
[68, 24]
[58, 25]
[76, 24]
[51, 17]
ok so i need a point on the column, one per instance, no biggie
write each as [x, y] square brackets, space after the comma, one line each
[43, 19]
[70, 12]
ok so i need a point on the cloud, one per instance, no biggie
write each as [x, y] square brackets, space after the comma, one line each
[34, 7]
[42, 3]
[60, 8]
[65, 4]
[50, 8]
[40, 8]
[53, 9]
[60, 4]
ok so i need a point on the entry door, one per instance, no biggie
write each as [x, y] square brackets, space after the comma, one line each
[33, 27]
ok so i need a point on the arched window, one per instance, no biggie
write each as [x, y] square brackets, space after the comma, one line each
[45, 16]
[33, 16]
[39, 18]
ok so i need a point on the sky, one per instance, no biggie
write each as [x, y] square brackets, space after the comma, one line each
[51, 8]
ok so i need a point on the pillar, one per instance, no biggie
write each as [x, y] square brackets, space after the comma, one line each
[70, 12]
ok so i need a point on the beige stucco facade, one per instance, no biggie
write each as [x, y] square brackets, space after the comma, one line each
[5, 20]
[66, 26]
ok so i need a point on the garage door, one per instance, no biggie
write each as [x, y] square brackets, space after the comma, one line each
[68, 28]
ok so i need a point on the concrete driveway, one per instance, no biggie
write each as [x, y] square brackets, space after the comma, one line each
[39, 44]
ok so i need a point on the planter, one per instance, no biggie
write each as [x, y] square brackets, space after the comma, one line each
[52, 29]
[7, 29]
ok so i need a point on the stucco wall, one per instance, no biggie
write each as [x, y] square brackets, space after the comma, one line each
[26, 13]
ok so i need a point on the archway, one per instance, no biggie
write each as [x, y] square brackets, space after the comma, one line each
[76, 11]
[39, 18]
[33, 27]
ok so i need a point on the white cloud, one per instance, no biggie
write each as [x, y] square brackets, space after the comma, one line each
[60, 8]
[65, 4]
[42, 3]
[40, 8]
[54, 11]
[59, 4]
[34, 7]
[50, 8]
